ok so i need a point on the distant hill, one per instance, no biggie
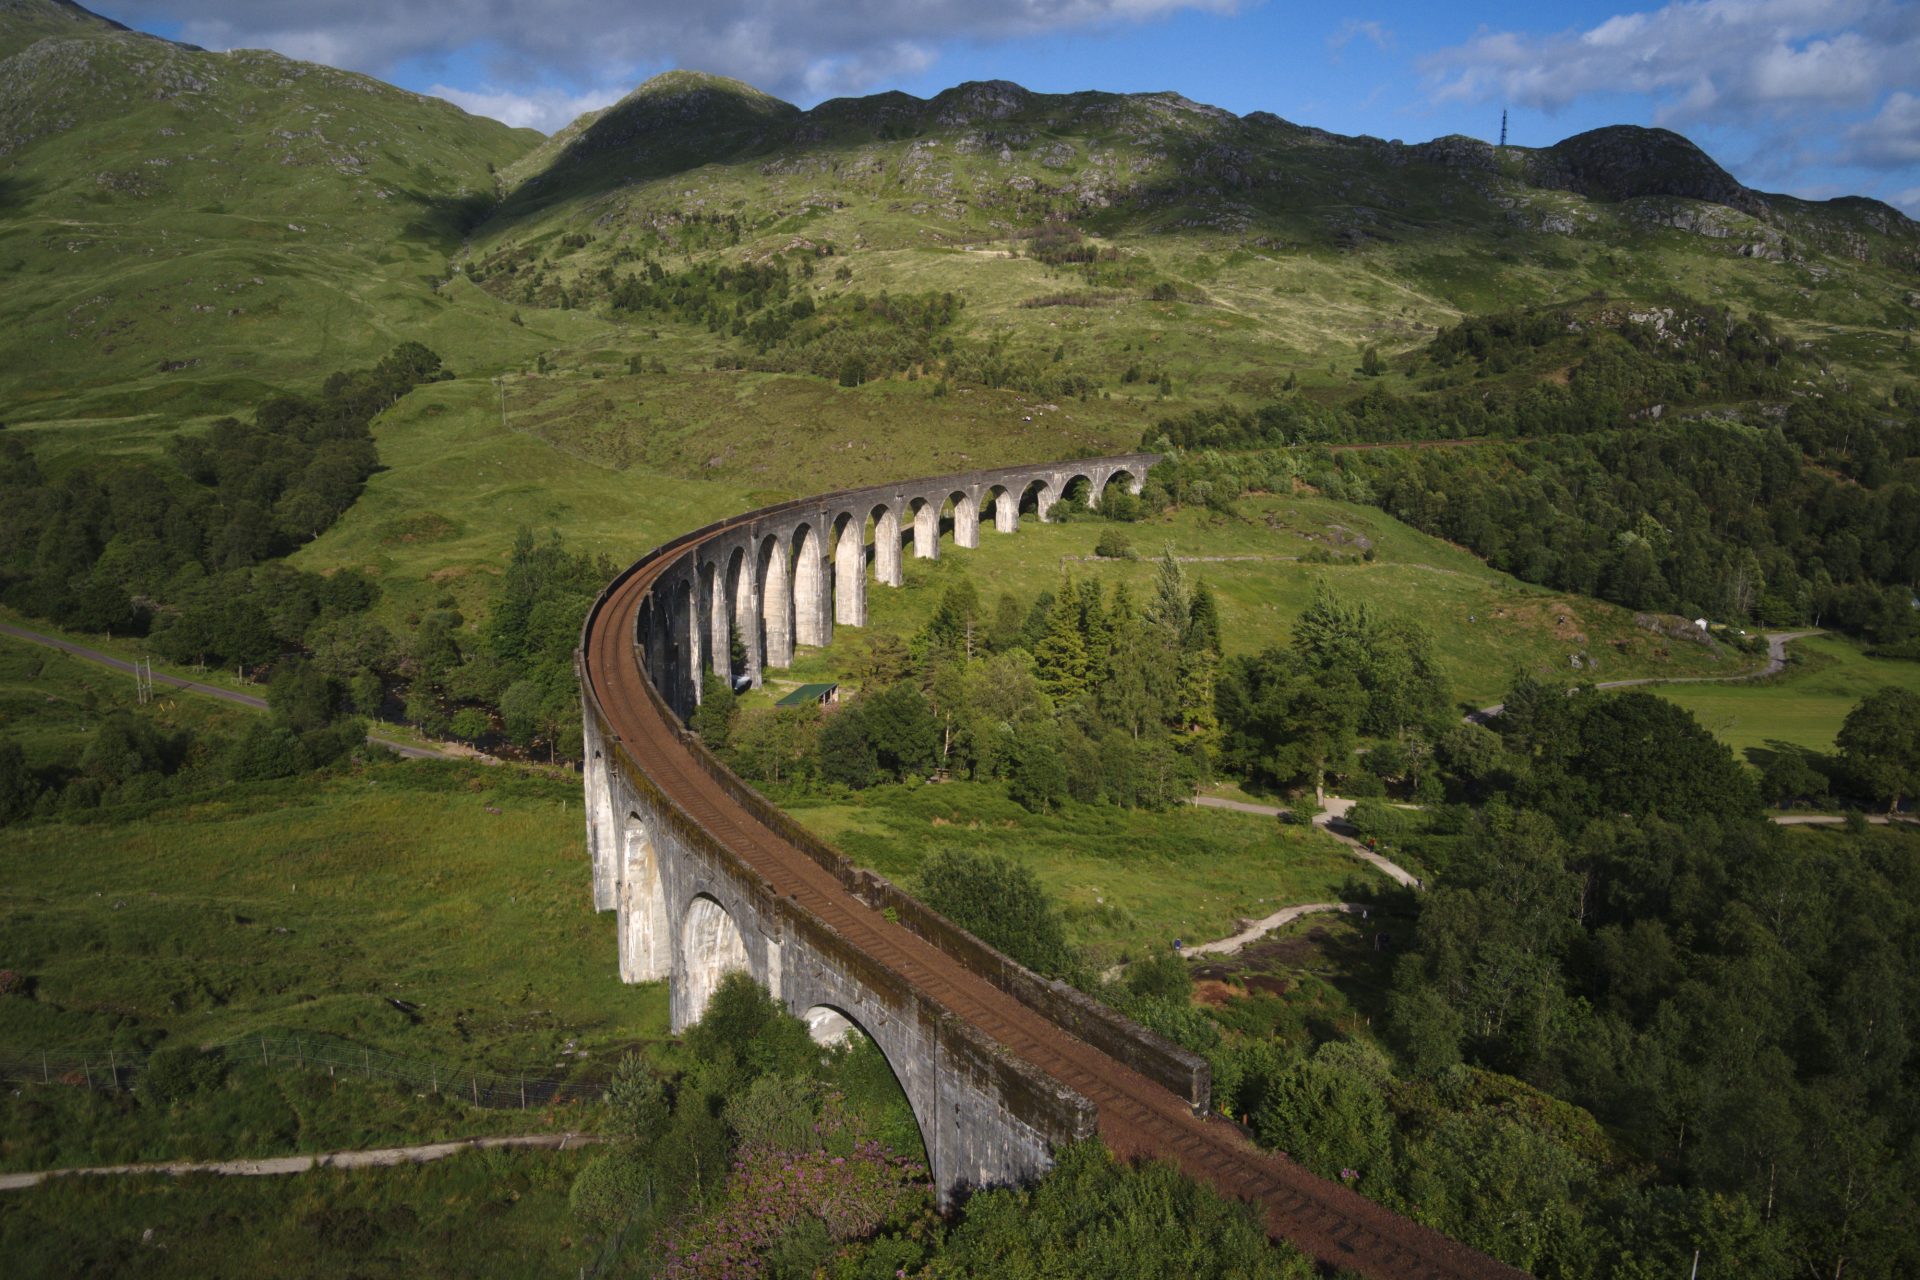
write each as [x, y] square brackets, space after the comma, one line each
[1293, 244]
[236, 215]
[180, 229]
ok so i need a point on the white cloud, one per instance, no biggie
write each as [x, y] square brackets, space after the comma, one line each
[1354, 29]
[1891, 140]
[797, 48]
[545, 110]
[1701, 61]
[1908, 200]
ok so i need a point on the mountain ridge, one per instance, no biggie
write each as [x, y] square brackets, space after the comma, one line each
[1610, 163]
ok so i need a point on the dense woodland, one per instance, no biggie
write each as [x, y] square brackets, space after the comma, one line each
[1635, 1019]
[189, 551]
[1684, 466]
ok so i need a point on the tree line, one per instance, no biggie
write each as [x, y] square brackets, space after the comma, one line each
[186, 549]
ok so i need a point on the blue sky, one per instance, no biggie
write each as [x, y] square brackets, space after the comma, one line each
[1813, 97]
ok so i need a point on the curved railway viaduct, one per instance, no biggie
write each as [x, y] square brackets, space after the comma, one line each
[706, 876]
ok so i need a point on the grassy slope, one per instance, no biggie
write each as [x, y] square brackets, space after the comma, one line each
[302, 905]
[1805, 705]
[492, 1213]
[1128, 882]
[1289, 249]
[257, 220]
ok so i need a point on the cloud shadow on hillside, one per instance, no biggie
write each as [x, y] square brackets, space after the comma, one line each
[445, 220]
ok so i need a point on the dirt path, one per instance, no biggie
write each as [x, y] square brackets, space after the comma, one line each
[274, 1166]
[1777, 642]
[1257, 929]
[185, 685]
[1331, 822]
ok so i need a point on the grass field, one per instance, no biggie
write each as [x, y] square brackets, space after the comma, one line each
[50, 702]
[1128, 882]
[480, 1213]
[304, 905]
[1804, 705]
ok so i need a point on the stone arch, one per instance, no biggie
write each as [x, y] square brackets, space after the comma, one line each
[1006, 508]
[925, 513]
[812, 610]
[776, 602]
[829, 1023]
[1080, 487]
[646, 949]
[1037, 496]
[1120, 474]
[886, 545]
[850, 569]
[743, 595]
[711, 947]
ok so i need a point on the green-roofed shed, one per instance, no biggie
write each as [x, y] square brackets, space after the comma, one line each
[806, 694]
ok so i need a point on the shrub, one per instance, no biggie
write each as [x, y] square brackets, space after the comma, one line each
[178, 1072]
[1000, 901]
[1114, 545]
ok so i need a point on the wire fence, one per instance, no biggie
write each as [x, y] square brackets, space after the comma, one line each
[112, 1070]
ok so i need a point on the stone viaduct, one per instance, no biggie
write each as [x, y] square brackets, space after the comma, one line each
[706, 876]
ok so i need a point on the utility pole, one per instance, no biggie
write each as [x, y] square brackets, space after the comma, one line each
[1503, 128]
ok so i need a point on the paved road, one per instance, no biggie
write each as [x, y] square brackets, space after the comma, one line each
[207, 690]
[272, 1166]
[1331, 822]
[1777, 642]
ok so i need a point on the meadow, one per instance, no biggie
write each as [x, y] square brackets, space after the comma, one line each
[1804, 705]
[306, 907]
[1128, 882]
[493, 1213]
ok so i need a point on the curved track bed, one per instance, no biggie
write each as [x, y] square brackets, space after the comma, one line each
[1137, 1118]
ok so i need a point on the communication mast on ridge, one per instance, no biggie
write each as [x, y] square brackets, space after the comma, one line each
[1503, 128]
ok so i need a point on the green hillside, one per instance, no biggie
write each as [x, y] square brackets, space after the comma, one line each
[180, 228]
[1096, 233]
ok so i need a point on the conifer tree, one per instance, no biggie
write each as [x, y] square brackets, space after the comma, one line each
[1060, 657]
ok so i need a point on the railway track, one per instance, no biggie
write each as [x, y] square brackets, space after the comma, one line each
[1137, 1118]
